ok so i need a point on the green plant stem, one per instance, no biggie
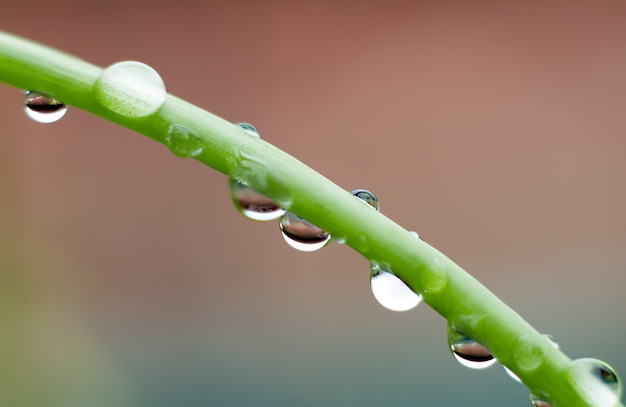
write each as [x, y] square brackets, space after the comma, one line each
[448, 289]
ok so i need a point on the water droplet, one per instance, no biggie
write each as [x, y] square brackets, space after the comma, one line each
[391, 292]
[367, 197]
[468, 352]
[538, 402]
[301, 234]
[552, 342]
[414, 234]
[250, 129]
[252, 204]
[43, 108]
[183, 141]
[600, 381]
[131, 89]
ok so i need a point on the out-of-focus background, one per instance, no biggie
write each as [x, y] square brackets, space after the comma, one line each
[496, 130]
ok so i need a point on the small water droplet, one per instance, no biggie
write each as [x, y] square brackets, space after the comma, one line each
[183, 141]
[301, 234]
[367, 197]
[252, 204]
[538, 402]
[131, 89]
[552, 342]
[414, 234]
[600, 380]
[391, 292]
[43, 108]
[468, 352]
[250, 129]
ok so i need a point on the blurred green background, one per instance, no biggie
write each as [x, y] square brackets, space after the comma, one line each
[494, 129]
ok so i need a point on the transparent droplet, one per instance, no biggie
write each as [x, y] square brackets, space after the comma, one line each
[183, 141]
[43, 108]
[468, 352]
[552, 342]
[391, 292]
[301, 234]
[252, 204]
[600, 380]
[538, 402]
[250, 129]
[131, 89]
[414, 234]
[367, 196]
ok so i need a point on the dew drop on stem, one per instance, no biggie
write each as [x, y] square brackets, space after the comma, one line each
[469, 352]
[42, 108]
[248, 202]
[183, 141]
[250, 129]
[600, 380]
[302, 234]
[537, 401]
[131, 89]
[366, 197]
[252, 204]
[550, 340]
[390, 291]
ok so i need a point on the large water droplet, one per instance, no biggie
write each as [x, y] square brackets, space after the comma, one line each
[367, 197]
[600, 381]
[552, 342]
[301, 234]
[538, 402]
[468, 352]
[131, 89]
[183, 141]
[252, 204]
[391, 292]
[43, 108]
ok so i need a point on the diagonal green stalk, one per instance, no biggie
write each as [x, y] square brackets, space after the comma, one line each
[464, 302]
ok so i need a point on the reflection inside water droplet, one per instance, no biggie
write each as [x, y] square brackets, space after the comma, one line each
[252, 204]
[43, 108]
[301, 234]
[183, 141]
[469, 352]
[391, 292]
[552, 342]
[131, 89]
[367, 197]
[538, 402]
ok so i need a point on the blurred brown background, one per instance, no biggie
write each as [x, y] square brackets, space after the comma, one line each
[494, 129]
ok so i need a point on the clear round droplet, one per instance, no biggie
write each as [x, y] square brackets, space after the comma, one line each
[131, 89]
[252, 204]
[538, 402]
[600, 380]
[301, 234]
[250, 129]
[468, 352]
[391, 292]
[183, 141]
[367, 197]
[552, 342]
[43, 108]
[414, 234]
